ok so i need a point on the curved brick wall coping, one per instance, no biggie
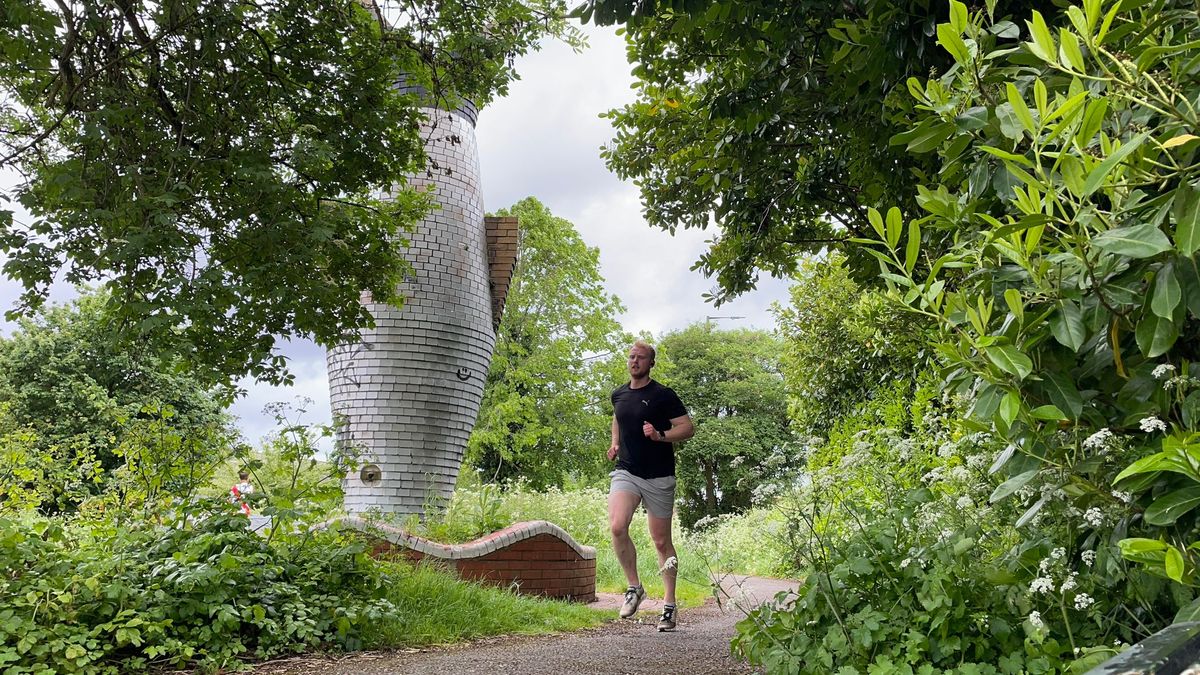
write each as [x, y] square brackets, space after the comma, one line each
[473, 549]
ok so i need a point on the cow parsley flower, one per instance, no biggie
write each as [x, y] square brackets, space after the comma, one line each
[1152, 424]
[1088, 558]
[1035, 618]
[1042, 585]
[1163, 371]
[1094, 517]
[1083, 601]
[1122, 496]
[1058, 553]
[1068, 583]
[1098, 440]
[964, 502]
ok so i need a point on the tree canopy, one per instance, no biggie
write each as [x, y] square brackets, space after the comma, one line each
[543, 415]
[78, 390]
[771, 120]
[220, 167]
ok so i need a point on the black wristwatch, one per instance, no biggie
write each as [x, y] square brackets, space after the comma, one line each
[662, 435]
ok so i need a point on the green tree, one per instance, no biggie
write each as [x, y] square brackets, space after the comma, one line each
[730, 382]
[79, 391]
[543, 414]
[843, 344]
[221, 167]
[772, 121]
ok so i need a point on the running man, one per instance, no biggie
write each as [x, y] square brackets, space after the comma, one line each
[647, 419]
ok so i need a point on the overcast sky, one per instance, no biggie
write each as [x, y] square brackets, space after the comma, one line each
[544, 140]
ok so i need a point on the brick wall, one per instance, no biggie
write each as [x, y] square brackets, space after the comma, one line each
[503, 240]
[535, 557]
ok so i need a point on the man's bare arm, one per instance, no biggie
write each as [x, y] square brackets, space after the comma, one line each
[615, 447]
[681, 430]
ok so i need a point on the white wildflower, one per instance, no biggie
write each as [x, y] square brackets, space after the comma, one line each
[1152, 424]
[934, 475]
[1163, 371]
[1088, 557]
[1058, 553]
[977, 461]
[960, 473]
[1044, 565]
[964, 502]
[1068, 583]
[1035, 618]
[945, 450]
[1122, 496]
[1094, 517]
[1083, 601]
[670, 564]
[1098, 440]
[905, 563]
[1042, 585]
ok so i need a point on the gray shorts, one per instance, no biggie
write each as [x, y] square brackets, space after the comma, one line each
[658, 494]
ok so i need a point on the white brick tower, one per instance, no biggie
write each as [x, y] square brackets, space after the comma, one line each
[410, 391]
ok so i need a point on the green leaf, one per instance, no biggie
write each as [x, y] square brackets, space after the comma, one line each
[1066, 324]
[1186, 214]
[950, 40]
[1068, 49]
[895, 226]
[1043, 44]
[1048, 412]
[1168, 508]
[1012, 297]
[1190, 612]
[1010, 407]
[1167, 294]
[1135, 241]
[1020, 109]
[914, 246]
[1011, 485]
[1155, 335]
[1173, 564]
[929, 135]
[1010, 359]
[1093, 119]
[1063, 394]
[876, 221]
[958, 16]
[1031, 512]
[1010, 125]
[1097, 175]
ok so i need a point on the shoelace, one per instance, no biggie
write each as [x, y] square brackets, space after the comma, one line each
[631, 595]
[668, 613]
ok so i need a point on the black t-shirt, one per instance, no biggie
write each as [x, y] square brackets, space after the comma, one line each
[653, 403]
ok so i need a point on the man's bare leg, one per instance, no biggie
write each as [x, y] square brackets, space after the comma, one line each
[621, 506]
[660, 532]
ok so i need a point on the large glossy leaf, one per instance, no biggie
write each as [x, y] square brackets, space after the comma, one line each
[1066, 325]
[1167, 293]
[1063, 394]
[1168, 508]
[1155, 335]
[1010, 359]
[1135, 241]
[1186, 214]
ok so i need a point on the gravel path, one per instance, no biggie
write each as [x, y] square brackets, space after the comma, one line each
[699, 646]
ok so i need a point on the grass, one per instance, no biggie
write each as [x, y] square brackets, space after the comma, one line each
[435, 608]
[476, 510]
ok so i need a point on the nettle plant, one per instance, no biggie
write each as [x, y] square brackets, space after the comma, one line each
[1057, 257]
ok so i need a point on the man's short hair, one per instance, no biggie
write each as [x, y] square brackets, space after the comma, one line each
[645, 345]
[243, 475]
